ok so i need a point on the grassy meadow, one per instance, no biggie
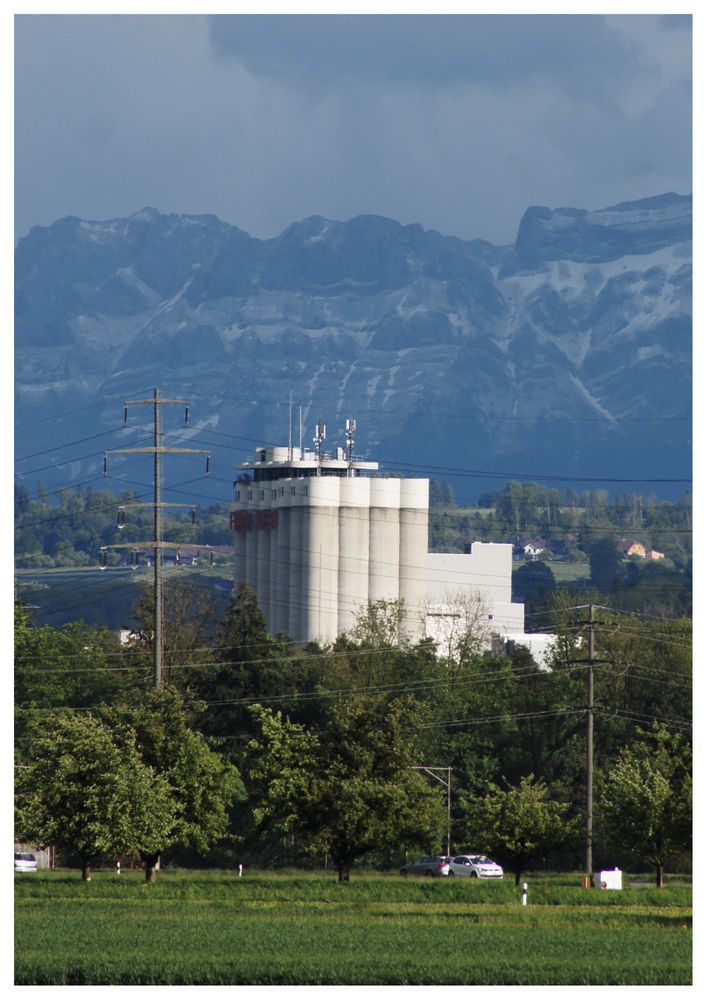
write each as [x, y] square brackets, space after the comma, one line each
[214, 928]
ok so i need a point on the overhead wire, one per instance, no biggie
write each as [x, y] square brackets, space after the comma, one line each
[476, 604]
[191, 436]
[192, 493]
[80, 409]
[640, 718]
[333, 655]
[474, 473]
[350, 606]
[485, 473]
[69, 444]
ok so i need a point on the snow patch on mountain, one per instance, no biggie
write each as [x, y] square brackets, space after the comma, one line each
[636, 218]
[101, 232]
[592, 400]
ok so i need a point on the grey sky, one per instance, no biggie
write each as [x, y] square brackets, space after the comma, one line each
[456, 122]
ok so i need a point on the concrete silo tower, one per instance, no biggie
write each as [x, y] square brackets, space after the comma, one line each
[317, 536]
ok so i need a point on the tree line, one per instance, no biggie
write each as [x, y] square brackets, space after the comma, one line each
[261, 751]
[531, 510]
[630, 584]
[70, 530]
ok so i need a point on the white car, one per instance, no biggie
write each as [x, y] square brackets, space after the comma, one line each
[25, 862]
[474, 866]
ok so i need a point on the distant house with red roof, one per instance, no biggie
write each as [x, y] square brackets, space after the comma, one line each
[631, 548]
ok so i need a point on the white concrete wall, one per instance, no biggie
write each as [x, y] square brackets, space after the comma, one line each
[264, 538]
[339, 542]
[384, 540]
[250, 574]
[239, 542]
[293, 596]
[320, 559]
[414, 517]
[487, 571]
[280, 571]
[354, 560]
[471, 592]
[541, 645]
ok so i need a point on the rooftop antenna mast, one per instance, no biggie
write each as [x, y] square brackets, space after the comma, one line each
[350, 430]
[319, 439]
[158, 450]
[289, 443]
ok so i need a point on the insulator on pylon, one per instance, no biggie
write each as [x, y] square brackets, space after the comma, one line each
[125, 416]
[179, 558]
[105, 464]
[134, 557]
[102, 558]
[193, 515]
[186, 414]
[211, 558]
[121, 517]
[207, 464]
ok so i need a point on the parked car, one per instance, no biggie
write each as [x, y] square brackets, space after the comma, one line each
[474, 866]
[25, 862]
[426, 866]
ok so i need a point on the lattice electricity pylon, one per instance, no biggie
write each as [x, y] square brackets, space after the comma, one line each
[157, 505]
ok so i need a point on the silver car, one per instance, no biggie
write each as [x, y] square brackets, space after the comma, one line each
[426, 866]
[25, 862]
[474, 866]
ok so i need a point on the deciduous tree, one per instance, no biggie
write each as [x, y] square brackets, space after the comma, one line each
[76, 666]
[202, 785]
[647, 798]
[520, 823]
[356, 789]
[87, 790]
[605, 564]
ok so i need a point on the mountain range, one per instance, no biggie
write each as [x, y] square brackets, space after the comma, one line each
[563, 358]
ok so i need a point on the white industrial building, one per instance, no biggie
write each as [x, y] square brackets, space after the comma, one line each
[319, 537]
[471, 591]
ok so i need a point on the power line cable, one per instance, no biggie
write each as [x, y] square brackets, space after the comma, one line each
[80, 409]
[69, 444]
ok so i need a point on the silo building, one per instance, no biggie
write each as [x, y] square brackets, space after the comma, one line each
[319, 536]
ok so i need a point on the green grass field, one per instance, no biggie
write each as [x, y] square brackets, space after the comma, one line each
[212, 928]
[564, 572]
[568, 572]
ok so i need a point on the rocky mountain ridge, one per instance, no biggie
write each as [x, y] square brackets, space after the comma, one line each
[566, 355]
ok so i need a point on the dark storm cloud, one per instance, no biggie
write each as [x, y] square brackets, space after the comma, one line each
[458, 123]
[578, 53]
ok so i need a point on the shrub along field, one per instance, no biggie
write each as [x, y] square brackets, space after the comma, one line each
[214, 928]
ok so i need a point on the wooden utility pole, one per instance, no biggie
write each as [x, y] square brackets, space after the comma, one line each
[158, 545]
[590, 662]
[590, 747]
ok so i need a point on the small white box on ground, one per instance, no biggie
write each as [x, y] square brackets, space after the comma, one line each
[608, 879]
